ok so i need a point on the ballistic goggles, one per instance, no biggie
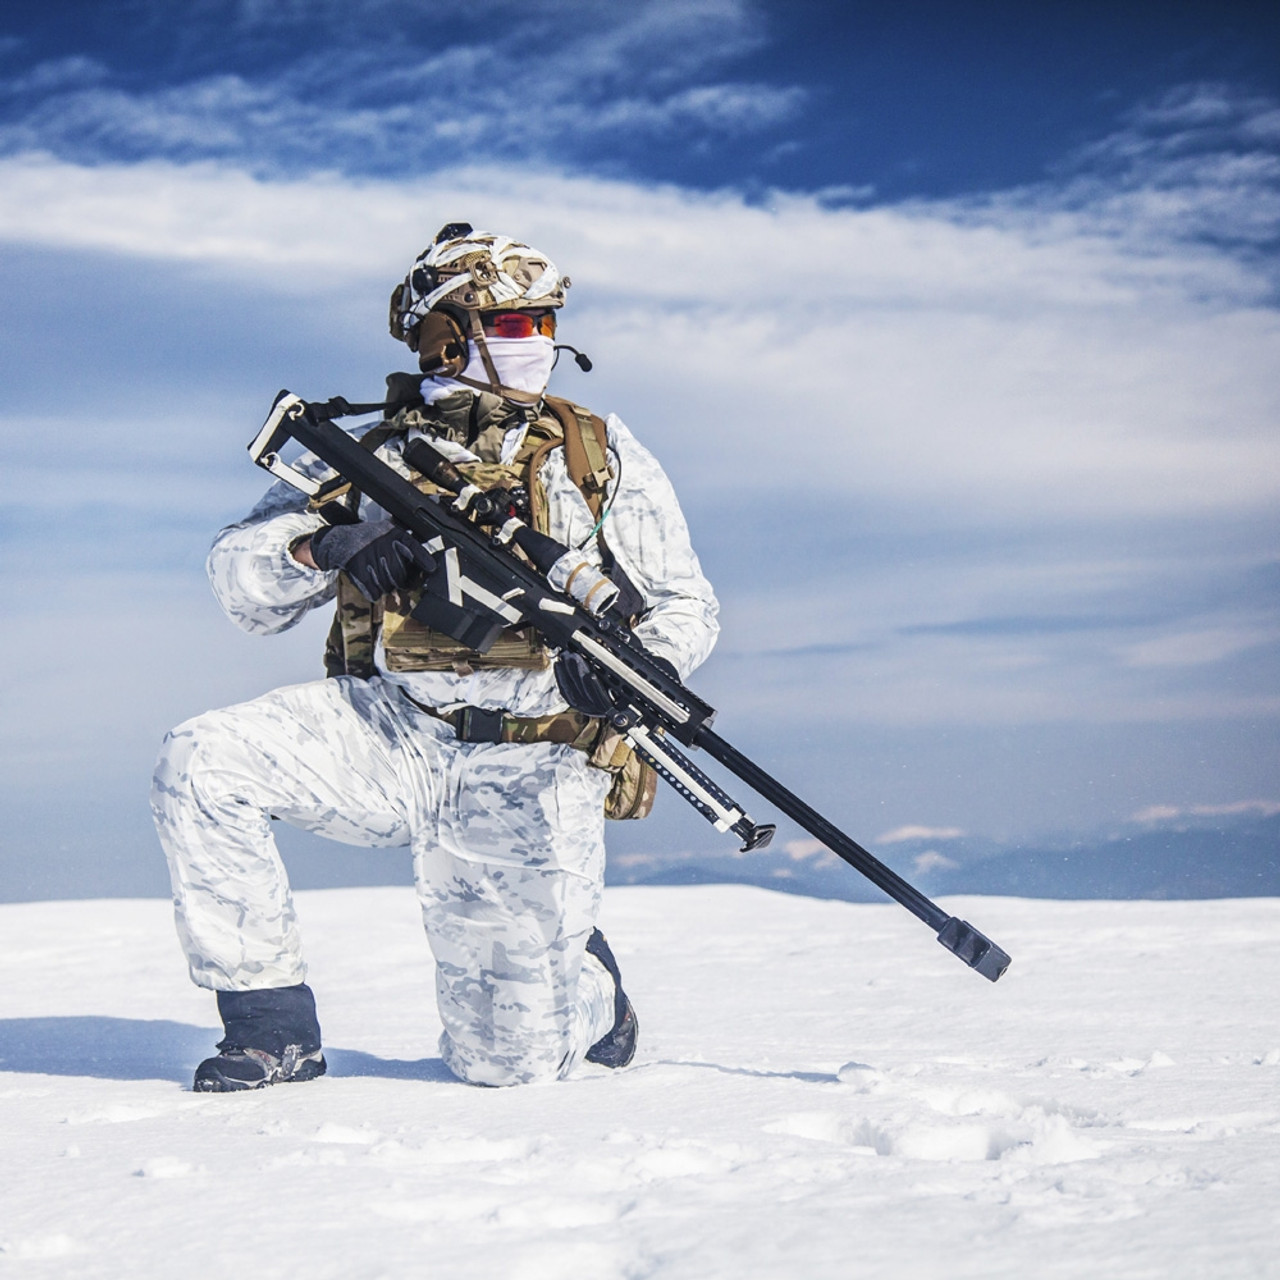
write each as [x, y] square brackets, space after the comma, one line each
[519, 324]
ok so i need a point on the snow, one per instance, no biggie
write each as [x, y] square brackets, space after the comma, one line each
[821, 1091]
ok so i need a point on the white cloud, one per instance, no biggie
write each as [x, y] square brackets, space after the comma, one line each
[372, 88]
[804, 850]
[1003, 365]
[1157, 813]
[733, 108]
[56, 74]
[1200, 161]
[900, 834]
[1043, 392]
[932, 860]
[1195, 648]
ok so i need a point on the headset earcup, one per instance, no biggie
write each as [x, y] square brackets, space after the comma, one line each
[442, 345]
[399, 300]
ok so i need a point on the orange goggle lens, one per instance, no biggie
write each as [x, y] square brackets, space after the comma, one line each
[520, 324]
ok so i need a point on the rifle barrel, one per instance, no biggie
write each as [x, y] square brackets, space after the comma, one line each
[813, 822]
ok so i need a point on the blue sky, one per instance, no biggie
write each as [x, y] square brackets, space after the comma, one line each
[955, 324]
[891, 101]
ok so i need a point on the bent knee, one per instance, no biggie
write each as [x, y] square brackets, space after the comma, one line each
[191, 753]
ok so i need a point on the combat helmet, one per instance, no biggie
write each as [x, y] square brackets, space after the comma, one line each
[462, 273]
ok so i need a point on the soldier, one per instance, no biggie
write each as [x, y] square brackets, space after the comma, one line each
[475, 761]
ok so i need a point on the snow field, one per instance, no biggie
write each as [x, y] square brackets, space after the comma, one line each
[821, 1091]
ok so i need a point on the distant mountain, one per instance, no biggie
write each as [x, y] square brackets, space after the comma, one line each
[1236, 859]
[1179, 857]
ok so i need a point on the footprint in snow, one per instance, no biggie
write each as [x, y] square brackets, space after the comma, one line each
[164, 1167]
[42, 1247]
[1031, 1137]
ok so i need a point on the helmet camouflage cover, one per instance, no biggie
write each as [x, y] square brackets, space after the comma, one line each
[466, 271]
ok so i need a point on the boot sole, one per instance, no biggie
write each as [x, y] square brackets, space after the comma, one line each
[210, 1080]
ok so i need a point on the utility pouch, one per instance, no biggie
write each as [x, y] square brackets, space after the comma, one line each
[635, 783]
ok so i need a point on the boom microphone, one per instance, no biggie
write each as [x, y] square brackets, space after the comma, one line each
[583, 362]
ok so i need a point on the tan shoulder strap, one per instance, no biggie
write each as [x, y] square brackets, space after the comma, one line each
[586, 450]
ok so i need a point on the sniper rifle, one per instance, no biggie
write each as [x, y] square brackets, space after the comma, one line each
[482, 586]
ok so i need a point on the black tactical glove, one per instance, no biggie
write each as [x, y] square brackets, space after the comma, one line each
[585, 691]
[378, 555]
[580, 687]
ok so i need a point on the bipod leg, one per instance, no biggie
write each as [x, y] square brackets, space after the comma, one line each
[676, 769]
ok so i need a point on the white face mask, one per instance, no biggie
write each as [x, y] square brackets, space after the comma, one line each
[523, 364]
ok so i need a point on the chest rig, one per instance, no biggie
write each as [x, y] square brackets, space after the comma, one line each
[480, 422]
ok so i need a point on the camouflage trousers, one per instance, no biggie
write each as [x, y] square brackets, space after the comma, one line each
[508, 855]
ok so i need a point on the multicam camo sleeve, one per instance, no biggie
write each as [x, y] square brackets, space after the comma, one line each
[258, 583]
[650, 539]
[647, 534]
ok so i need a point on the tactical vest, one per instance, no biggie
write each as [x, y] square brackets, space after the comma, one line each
[409, 645]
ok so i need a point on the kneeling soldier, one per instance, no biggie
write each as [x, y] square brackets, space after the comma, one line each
[473, 760]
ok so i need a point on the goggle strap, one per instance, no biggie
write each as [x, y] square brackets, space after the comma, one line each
[477, 332]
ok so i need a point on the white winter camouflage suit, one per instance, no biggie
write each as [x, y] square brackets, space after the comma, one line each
[507, 839]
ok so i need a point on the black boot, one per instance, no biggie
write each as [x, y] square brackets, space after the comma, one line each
[618, 1047]
[272, 1038]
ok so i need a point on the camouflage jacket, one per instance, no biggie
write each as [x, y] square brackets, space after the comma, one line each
[264, 590]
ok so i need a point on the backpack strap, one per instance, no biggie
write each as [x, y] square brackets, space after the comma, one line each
[586, 450]
[586, 457]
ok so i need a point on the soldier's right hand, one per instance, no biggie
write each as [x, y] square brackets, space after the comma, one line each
[581, 687]
[377, 555]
